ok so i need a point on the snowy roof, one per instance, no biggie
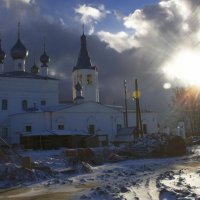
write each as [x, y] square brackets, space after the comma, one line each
[117, 107]
[22, 74]
[122, 108]
[57, 107]
[55, 132]
[69, 105]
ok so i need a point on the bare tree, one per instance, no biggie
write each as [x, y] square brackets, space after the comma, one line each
[186, 103]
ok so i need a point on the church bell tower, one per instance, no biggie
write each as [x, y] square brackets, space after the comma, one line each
[86, 75]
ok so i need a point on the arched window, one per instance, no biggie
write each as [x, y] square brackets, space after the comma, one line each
[4, 104]
[28, 128]
[91, 121]
[60, 123]
[89, 79]
[91, 129]
[24, 104]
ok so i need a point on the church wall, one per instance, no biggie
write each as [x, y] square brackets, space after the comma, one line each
[15, 90]
[34, 90]
[88, 78]
[104, 123]
[39, 121]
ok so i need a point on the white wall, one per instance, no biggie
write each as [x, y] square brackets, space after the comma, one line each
[79, 117]
[15, 90]
[39, 121]
[89, 92]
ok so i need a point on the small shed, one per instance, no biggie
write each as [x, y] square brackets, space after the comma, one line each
[57, 139]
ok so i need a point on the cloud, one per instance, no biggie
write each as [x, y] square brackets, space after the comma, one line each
[165, 21]
[8, 3]
[90, 15]
[122, 41]
[118, 15]
[137, 21]
[119, 41]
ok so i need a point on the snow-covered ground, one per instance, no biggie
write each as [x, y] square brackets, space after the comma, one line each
[142, 179]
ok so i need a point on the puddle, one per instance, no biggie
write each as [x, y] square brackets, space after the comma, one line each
[61, 192]
[165, 195]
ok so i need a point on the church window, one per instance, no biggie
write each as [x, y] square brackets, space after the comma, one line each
[119, 126]
[91, 129]
[4, 104]
[28, 128]
[4, 133]
[89, 79]
[61, 127]
[43, 102]
[24, 105]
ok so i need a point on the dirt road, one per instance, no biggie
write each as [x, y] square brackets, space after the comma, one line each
[144, 179]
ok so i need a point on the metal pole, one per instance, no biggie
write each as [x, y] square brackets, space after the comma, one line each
[139, 128]
[137, 107]
[140, 119]
[125, 101]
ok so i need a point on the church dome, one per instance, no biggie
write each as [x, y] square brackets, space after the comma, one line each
[44, 58]
[19, 51]
[34, 69]
[78, 87]
[2, 54]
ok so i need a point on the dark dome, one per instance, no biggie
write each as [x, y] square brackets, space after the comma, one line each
[2, 54]
[34, 69]
[19, 51]
[78, 87]
[44, 58]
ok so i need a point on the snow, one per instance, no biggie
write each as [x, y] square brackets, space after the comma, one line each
[174, 178]
[56, 132]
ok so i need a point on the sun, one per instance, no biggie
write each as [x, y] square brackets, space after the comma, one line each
[184, 66]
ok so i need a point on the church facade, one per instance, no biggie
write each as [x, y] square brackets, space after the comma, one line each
[35, 110]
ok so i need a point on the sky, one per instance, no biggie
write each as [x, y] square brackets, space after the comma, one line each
[155, 41]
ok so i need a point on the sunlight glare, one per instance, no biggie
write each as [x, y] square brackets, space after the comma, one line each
[185, 67]
[167, 86]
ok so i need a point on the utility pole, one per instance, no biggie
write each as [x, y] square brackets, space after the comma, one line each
[136, 96]
[125, 102]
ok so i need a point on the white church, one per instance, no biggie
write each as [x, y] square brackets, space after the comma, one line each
[36, 111]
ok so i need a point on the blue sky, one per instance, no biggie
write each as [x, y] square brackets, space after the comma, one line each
[126, 39]
[65, 11]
